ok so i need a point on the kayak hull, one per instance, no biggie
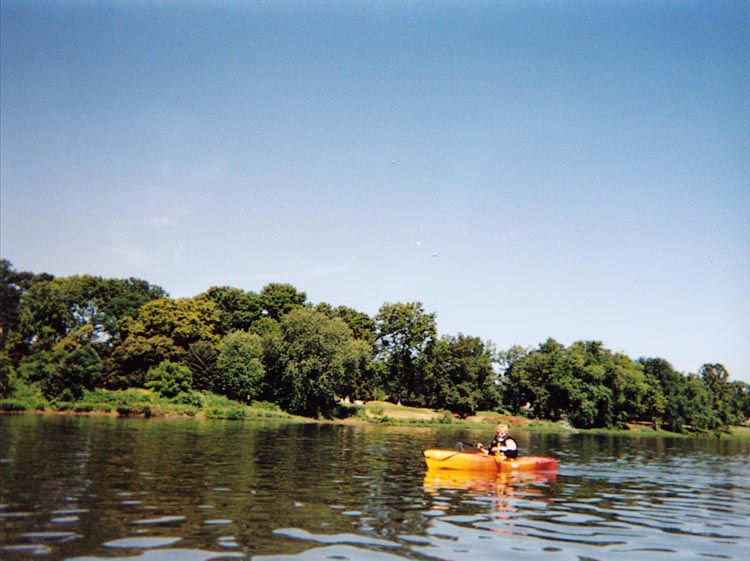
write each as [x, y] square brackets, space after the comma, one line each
[478, 462]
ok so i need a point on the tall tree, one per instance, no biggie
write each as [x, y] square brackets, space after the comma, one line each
[362, 325]
[464, 381]
[239, 368]
[238, 310]
[12, 286]
[404, 332]
[280, 299]
[307, 360]
[671, 408]
[162, 329]
[51, 308]
[716, 378]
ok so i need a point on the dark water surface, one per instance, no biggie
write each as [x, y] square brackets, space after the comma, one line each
[186, 490]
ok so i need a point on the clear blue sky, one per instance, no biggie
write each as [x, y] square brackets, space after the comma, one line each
[576, 170]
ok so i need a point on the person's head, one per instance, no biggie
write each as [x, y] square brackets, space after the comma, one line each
[501, 430]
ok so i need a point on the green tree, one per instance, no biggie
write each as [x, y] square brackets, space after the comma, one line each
[7, 375]
[538, 381]
[163, 329]
[404, 332]
[53, 307]
[120, 298]
[62, 373]
[238, 310]
[464, 380]
[45, 316]
[306, 362]
[13, 284]
[716, 378]
[362, 325]
[581, 378]
[239, 368]
[201, 359]
[700, 412]
[169, 379]
[671, 407]
[80, 369]
[739, 402]
[359, 372]
[280, 299]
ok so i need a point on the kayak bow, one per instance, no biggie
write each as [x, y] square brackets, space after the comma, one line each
[476, 461]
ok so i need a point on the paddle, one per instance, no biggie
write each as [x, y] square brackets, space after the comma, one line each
[460, 445]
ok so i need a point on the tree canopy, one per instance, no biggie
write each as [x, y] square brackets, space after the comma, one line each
[64, 336]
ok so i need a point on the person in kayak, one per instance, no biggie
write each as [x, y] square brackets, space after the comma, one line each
[502, 443]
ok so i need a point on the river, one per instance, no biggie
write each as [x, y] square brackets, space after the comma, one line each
[102, 488]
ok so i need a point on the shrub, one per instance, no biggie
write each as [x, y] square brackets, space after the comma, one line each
[169, 379]
[191, 398]
[13, 405]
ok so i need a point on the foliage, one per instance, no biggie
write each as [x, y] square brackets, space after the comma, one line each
[169, 379]
[592, 387]
[12, 286]
[239, 370]
[163, 329]
[278, 300]
[7, 375]
[51, 308]
[404, 333]
[66, 342]
[201, 359]
[362, 325]
[463, 380]
[62, 373]
[305, 361]
[238, 310]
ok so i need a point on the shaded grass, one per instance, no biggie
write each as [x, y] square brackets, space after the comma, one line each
[143, 403]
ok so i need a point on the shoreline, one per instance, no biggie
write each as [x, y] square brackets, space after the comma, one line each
[389, 414]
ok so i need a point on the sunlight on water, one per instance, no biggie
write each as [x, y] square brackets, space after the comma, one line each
[158, 490]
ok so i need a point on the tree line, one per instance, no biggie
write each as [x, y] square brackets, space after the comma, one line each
[64, 336]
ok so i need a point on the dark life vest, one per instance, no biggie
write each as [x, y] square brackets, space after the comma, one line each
[501, 442]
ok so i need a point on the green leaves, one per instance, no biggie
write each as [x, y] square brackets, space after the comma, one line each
[404, 332]
[62, 336]
[239, 370]
[169, 379]
[463, 378]
[309, 359]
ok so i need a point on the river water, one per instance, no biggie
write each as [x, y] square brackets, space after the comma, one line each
[101, 488]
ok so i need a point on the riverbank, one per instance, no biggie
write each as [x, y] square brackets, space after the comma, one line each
[385, 412]
[143, 403]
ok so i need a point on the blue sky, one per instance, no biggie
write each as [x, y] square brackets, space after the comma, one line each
[526, 170]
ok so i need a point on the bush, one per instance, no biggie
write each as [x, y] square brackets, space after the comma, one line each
[191, 398]
[136, 409]
[7, 375]
[231, 413]
[342, 411]
[169, 379]
[83, 407]
[267, 405]
[28, 395]
[13, 405]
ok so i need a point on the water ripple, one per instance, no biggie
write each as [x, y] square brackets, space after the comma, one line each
[300, 534]
[335, 552]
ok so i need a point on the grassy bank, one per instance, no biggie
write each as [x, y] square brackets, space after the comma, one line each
[145, 403]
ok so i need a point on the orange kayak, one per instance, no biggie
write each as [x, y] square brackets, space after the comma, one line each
[476, 461]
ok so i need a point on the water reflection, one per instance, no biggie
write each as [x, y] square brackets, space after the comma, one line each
[155, 490]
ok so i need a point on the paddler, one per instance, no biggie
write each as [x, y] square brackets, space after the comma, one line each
[502, 443]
